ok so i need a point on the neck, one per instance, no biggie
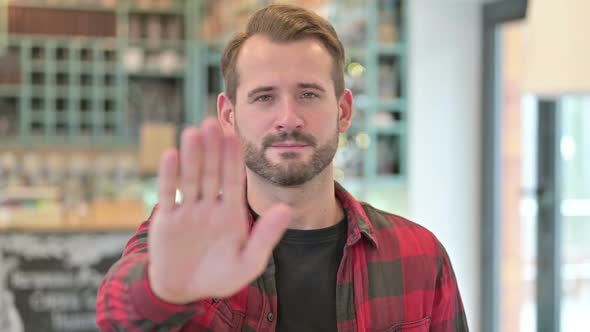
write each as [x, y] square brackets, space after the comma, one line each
[313, 203]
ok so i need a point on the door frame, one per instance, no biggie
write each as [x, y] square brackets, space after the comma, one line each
[493, 14]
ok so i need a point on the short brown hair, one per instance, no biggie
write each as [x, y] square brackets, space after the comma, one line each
[284, 23]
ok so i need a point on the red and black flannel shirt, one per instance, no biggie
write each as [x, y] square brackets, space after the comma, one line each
[394, 276]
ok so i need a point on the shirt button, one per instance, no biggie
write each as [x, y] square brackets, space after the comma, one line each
[270, 317]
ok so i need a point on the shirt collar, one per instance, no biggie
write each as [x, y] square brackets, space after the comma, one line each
[359, 223]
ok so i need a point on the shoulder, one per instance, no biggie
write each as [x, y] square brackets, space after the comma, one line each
[404, 237]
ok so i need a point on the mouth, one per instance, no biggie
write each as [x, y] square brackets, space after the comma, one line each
[289, 146]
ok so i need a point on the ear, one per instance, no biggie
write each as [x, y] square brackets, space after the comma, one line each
[225, 113]
[345, 105]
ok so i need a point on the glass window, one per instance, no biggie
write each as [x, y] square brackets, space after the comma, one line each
[575, 210]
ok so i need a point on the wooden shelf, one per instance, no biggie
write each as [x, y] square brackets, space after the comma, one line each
[71, 228]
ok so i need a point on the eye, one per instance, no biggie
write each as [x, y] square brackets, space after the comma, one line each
[309, 95]
[263, 98]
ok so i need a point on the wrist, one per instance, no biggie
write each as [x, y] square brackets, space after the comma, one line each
[174, 295]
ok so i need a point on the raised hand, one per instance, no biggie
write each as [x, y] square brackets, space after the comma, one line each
[202, 247]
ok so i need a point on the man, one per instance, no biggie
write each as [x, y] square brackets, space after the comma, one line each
[209, 263]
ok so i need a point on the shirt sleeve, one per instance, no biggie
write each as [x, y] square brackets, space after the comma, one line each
[125, 299]
[448, 313]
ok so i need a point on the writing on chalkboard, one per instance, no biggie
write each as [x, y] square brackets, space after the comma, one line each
[41, 278]
[53, 289]
[9, 318]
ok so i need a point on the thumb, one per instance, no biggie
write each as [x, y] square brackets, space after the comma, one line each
[267, 232]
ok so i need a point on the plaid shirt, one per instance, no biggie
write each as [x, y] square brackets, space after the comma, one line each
[394, 276]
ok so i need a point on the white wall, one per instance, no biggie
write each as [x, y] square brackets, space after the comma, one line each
[444, 135]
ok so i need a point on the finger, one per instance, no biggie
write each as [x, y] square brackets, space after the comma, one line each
[167, 179]
[266, 233]
[190, 164]
[212, 159]
[233, 171]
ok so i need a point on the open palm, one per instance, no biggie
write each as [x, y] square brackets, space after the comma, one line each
[202, 247]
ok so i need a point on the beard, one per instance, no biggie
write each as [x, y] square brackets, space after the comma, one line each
[291, 171]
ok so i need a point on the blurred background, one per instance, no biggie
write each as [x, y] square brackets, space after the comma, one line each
[446, 132]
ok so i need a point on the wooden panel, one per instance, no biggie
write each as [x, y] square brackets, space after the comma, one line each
[47, 21]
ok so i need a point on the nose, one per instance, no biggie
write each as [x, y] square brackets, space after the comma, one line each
[289, 117]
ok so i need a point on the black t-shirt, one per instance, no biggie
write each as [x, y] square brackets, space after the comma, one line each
[307, 262]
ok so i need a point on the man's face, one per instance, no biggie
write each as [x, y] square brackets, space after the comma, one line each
[286, 112]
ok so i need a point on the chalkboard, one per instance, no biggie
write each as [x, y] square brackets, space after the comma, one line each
[48, 282]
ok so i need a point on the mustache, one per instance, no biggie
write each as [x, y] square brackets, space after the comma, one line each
[296, 136]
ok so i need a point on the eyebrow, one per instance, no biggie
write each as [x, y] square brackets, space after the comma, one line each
[311, 86]
[299, 85]
[260, 89]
